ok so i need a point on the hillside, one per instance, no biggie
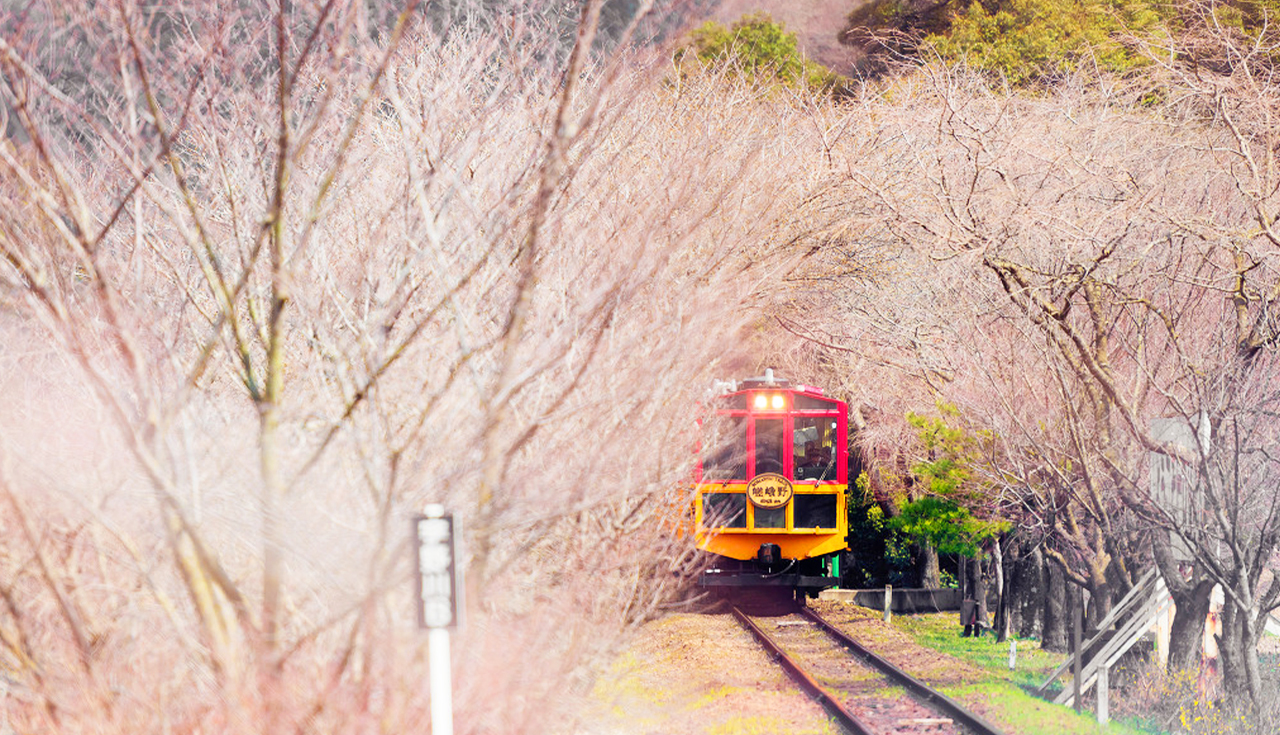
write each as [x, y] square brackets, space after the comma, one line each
[815, 23]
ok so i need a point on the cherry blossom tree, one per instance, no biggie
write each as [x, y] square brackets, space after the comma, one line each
[272, 279]
[1082, 265]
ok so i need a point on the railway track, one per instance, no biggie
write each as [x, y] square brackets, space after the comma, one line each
[863, 692]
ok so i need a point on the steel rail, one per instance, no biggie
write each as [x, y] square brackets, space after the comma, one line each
[827, 699]
[923, 691]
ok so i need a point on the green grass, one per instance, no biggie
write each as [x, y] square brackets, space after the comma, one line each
[714, 695]
[1013, 710]
[941, 632]
[1007, 693]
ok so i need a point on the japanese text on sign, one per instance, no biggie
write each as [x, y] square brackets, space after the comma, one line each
[437, 571]
[769, 490]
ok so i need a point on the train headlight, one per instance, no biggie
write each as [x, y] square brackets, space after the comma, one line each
[762, 401]
[778, 401]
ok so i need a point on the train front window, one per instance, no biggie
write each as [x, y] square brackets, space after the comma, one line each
[726, 449]
[769, 445]
[771, 517]
[803, 402]
[724, 510]
[813, 447]
[814, 511]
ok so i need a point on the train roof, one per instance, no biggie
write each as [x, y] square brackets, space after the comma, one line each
[724, 389]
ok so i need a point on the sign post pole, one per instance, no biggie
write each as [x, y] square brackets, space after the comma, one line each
[441, 690]
[440, 607]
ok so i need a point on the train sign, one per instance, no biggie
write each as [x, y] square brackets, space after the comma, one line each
[769, 490]
[435, 540]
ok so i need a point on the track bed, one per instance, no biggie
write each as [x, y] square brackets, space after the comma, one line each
[865, 698]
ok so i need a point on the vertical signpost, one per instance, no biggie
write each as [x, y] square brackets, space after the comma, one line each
[435, 536]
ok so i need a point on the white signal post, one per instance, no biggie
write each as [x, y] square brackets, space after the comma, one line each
[440, 606]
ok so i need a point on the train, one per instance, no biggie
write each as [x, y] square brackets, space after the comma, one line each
[771, 481]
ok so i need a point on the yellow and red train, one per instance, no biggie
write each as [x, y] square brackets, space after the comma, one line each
[771, 481]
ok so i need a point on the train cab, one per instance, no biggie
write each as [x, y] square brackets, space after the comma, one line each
[771, 480]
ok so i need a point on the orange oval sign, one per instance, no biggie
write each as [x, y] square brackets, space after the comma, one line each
[769, 490]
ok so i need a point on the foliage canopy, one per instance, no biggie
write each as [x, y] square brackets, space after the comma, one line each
[1030, 40]
[760, 50]
[1024, 41]
[944, 515]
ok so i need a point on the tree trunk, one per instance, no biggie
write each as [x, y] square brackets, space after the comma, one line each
[927, 566]
[1003, 573]
[1031, 593]
[1073, 607]
[1014, 588]
[979, 582]
[1187, 630]
[1238, 651]
[1191, 599]
[1055, 611]
[1099, 596]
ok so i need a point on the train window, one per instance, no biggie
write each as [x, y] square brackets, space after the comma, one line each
[801, 402]
[814, 511]
[769, 447]
[726, 454]
[724, 510]
[771, 517]
[812, 443]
